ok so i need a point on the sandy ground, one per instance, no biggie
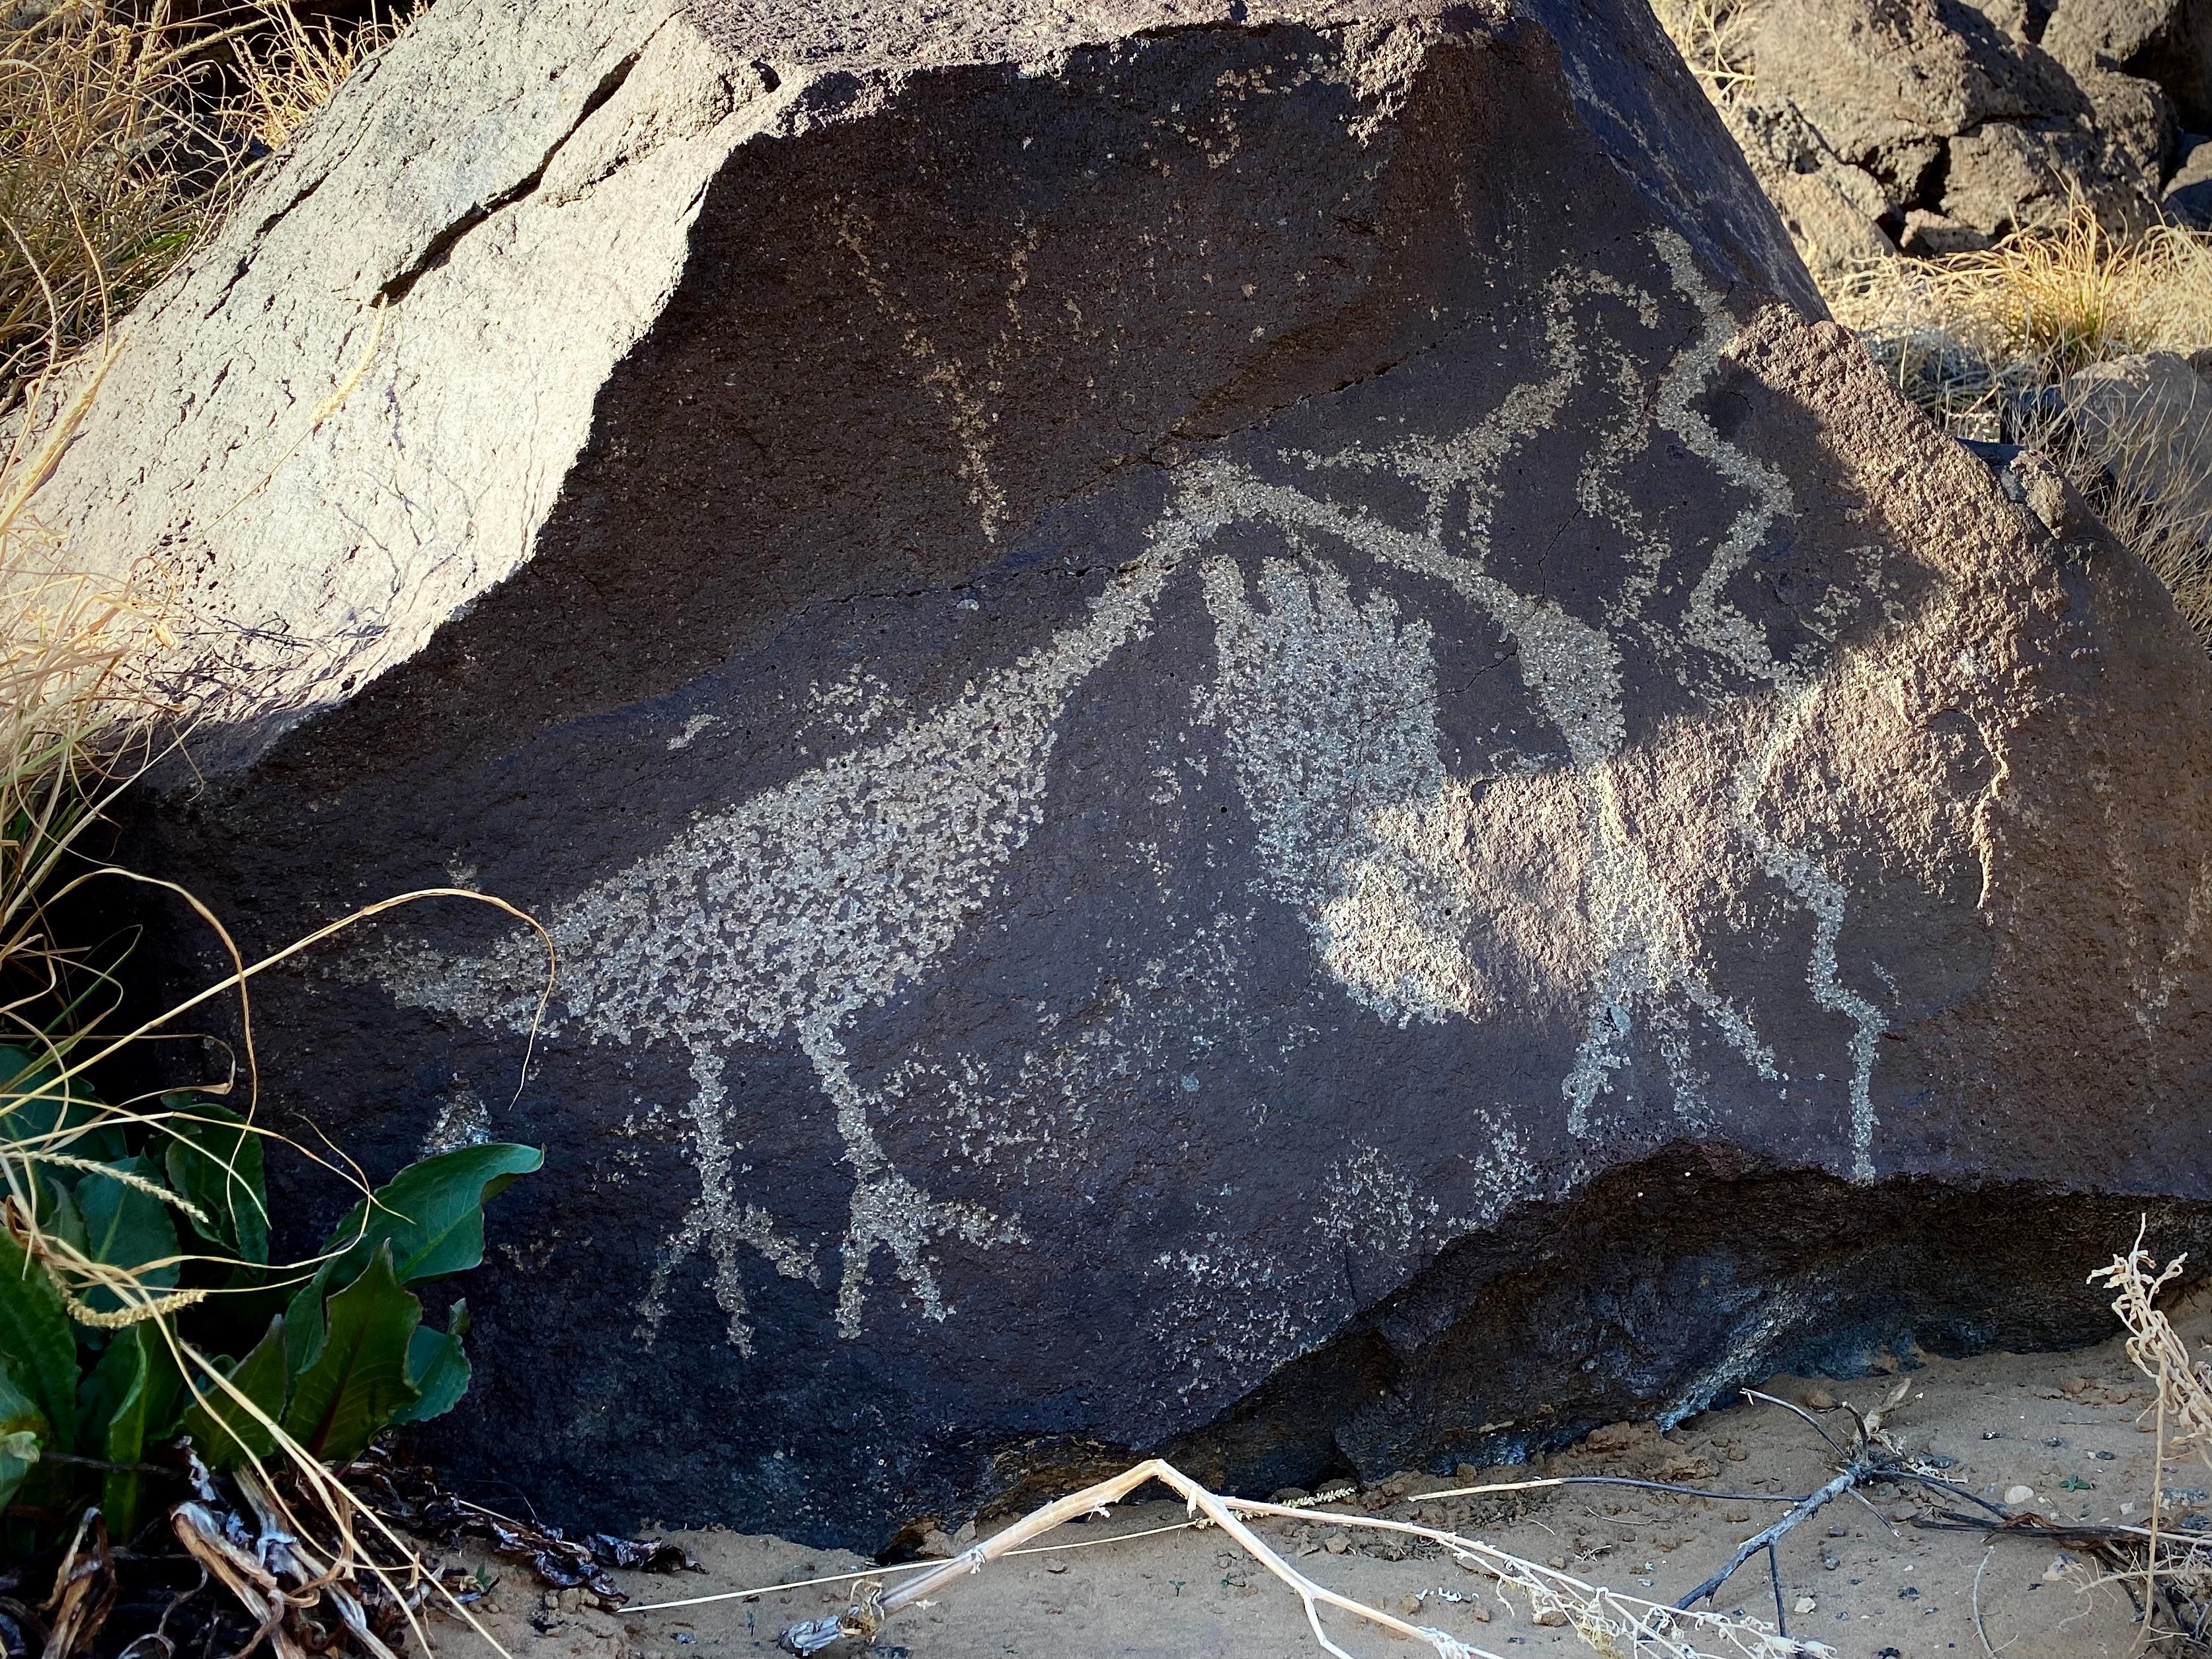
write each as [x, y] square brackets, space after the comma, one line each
[1868, 1581]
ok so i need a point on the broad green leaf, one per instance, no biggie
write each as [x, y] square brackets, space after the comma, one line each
[432, 1215]
[24, 1432]
[433, 1212]
[36, 1339]
[60, 1115]
[126, 1226]
[133, 1389]
[437, 1366]
[358, 1379]
[57, 1211]
[222, 1431]
[215, 1163]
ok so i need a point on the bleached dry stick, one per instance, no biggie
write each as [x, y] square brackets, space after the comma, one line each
[866, 1617]
[1600, 1616]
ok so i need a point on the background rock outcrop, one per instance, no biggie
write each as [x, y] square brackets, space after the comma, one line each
[1937, 126]
[2165, 42]
[2153, 414]
[1236, 733]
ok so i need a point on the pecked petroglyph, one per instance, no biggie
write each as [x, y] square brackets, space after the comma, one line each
[1333, 707]
[1428, 896]
[1728, 633]
[788, 913]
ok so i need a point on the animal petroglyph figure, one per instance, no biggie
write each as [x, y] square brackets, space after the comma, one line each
[784, 917]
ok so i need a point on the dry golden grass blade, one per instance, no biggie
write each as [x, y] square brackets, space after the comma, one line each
[296, 64]
[336, 1506]
[1986, 343]
[124, 138]
[2040, 304]
[1714, 37]
[2149, 483]
[95, 185]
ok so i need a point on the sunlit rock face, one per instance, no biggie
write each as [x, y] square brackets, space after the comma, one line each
[1234, 737]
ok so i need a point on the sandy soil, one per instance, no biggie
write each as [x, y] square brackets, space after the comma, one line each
[1869, 1582]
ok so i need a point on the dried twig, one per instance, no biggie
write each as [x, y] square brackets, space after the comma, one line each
[1804, 1509]
[2156, 1348]
[1871, 1455]
[1607, 1620]
[2176, 1572]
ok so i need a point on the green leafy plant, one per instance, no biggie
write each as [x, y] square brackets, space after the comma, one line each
[135, 1236]
[135, 1250]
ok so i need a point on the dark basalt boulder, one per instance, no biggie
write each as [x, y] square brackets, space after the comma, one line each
[1237, 737]
[1935, 125]
[2167, 41]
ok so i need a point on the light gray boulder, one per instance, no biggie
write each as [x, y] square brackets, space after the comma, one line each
[2151, 416]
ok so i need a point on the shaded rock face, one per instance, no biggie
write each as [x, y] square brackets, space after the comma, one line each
[2188, 198]
[2166, 41]
[1212, 720]
[1941, 124]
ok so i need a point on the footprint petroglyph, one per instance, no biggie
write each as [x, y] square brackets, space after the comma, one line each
[1426, 895]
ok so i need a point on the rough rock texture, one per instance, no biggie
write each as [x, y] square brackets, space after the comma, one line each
[2167, 41]
[1879, 77]
[2155, 410]
[2008, 175]
[1234, 736]
[2189, 193]
[1868, 121]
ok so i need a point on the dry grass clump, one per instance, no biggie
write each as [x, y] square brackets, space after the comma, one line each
[1986, 343]
[2150, 484]
[292, 69]
[68, 721]
[96, 195]
[2042, 304]
[1714, 37]
[123, 135]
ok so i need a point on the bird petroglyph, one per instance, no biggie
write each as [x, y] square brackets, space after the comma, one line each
[1427, 896]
